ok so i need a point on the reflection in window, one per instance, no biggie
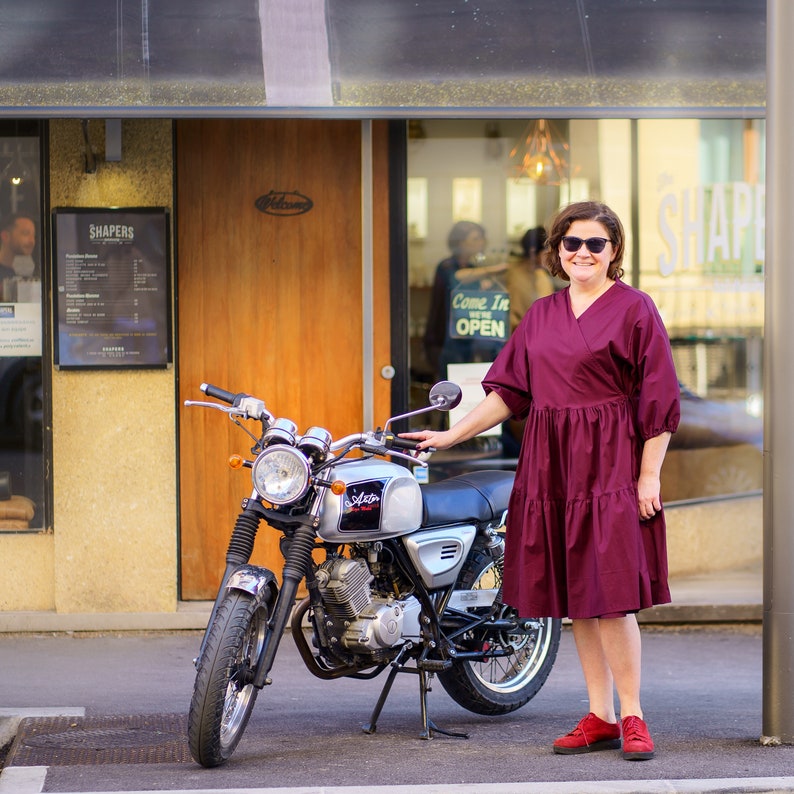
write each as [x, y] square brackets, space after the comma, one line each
[466, 199]
[698, 209]
[701, 215]
[21, 393]
[417, 208]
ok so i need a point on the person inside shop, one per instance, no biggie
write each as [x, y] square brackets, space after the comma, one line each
[527, 278]
[17, 241]
[591, 369]
[466, 268]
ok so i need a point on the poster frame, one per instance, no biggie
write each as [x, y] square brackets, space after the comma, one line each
[162, 319]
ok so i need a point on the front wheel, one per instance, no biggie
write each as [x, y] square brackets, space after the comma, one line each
[514, 665]
[223, 695]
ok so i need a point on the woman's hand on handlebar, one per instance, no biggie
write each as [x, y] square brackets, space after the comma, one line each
[489, 413]
[437, 439]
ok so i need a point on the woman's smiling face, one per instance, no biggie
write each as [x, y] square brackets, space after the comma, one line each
[583, 267]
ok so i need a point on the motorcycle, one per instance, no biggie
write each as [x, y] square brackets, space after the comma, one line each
[409, 578]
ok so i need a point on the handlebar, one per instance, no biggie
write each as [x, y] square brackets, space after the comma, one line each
[220, 394]
[242, 404]
[395, 442]
[379, 442]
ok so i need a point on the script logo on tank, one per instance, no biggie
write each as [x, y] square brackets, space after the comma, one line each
[361, 506]
[284, 202]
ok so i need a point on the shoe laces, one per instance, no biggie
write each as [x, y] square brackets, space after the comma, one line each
[579, 730]
[633, 728]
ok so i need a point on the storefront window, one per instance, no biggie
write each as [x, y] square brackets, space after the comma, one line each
[21, 393]
[691, 194]
[701, 254]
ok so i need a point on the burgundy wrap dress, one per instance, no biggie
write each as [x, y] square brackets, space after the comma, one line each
[592, 390]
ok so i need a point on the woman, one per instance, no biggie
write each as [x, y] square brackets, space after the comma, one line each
[590, 368]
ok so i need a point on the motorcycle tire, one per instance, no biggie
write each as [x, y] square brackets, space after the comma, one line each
[221, 703]
[499, 685]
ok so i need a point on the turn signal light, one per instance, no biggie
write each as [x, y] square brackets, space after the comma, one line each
[236, 461]
[338, 487]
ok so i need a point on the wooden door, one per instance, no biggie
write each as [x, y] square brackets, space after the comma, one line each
[269, 303]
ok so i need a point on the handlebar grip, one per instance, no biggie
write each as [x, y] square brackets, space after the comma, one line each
[395, 442]
[218, 393]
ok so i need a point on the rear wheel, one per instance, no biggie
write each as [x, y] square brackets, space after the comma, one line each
[515, 664]
[223, 696]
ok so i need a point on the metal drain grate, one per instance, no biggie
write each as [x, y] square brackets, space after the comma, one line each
[66, 741]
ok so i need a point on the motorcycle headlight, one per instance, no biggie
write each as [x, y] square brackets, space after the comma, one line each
[281, 474]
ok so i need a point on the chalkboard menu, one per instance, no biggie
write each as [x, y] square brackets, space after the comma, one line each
[112, 288]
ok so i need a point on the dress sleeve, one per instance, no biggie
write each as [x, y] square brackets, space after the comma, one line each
[509, 374]
[658, 393]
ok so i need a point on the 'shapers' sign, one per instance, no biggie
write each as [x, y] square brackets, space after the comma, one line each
[282, 202]
[715, 225]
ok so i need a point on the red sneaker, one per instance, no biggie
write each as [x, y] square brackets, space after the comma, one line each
[637, 742]
[591, 734]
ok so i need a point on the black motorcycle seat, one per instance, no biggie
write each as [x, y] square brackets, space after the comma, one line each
[477, 496]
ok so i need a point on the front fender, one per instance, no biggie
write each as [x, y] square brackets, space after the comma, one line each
[254, 580]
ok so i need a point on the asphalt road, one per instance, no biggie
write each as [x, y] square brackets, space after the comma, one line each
[702, 699]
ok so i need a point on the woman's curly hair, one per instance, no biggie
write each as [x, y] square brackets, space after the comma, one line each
[584, 211]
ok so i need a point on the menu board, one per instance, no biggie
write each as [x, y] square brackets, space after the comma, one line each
[112, 288]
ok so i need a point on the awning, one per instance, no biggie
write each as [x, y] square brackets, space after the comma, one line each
[371, 58]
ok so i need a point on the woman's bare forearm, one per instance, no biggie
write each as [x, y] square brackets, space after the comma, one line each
[487, 414]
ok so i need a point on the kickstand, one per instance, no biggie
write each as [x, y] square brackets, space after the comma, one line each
[428, 726]
[372, 725]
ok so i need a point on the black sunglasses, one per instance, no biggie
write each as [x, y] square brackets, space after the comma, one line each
[595, 245]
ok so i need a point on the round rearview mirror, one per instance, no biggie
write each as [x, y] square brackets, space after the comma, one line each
[445, 395]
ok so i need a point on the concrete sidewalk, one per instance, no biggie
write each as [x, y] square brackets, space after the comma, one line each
[722, 596]
[765, 785]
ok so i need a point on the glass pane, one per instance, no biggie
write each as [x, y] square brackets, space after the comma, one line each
[699, 211]
[702, 194]
[473, 272]
[21, 395]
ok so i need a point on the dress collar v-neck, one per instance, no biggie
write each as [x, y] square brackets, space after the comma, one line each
[595, 300]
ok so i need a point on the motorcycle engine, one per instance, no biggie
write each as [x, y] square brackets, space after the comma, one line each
[363, 621]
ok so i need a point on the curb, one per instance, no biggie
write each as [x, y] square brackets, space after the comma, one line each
[30, 780]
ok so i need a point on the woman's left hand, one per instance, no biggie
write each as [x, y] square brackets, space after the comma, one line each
[649, 501]
[649, 485]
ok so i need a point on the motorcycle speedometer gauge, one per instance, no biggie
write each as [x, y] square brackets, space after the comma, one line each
[280, 474]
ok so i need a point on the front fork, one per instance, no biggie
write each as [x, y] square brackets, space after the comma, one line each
[241, 546]
[296, 564]
[253, 579]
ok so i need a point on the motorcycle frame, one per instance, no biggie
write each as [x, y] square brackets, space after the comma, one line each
[439, 618]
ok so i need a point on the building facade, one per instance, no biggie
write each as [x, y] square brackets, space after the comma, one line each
[392, 129]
